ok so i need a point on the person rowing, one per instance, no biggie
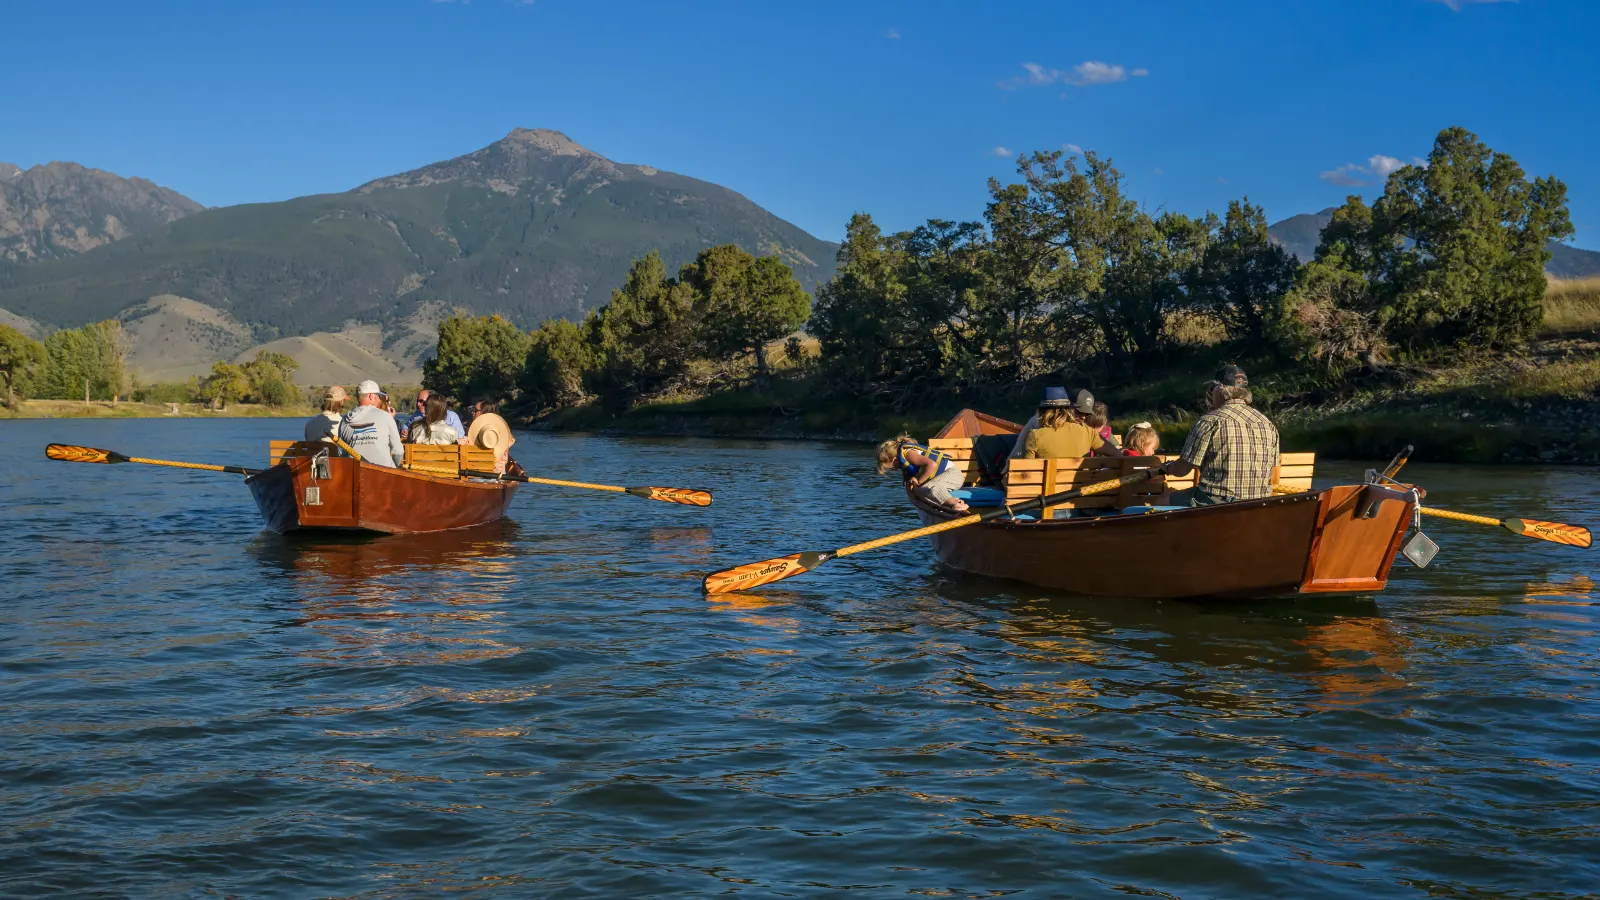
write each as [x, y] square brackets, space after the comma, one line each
[370, 428]
[1234, 447]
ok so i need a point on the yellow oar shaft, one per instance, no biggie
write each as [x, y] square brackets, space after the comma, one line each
[575, 484]
[177, 465]
[1462, 517]
[1097, 488]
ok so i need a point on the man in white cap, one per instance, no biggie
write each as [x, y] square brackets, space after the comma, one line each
[370, 429]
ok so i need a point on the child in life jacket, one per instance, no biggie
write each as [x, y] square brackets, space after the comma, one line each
[932, 473]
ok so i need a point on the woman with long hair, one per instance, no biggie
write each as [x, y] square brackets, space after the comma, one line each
[432, 427]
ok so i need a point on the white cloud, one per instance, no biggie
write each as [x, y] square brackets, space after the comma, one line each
[1347, 175]
[1378, 168]
[1383, 166]
[1084, 74]
[892, 34]
[1221, 180]
[1002, 151]
[1158, 171]
[1094, 72]
[1072, 148]
[1457, 4]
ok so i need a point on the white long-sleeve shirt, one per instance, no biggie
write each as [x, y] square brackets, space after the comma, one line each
[371, 432]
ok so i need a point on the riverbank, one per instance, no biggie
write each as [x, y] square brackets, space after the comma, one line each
[1539, 406]
[127, 409]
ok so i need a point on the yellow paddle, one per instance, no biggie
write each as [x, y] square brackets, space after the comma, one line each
[685, 496]
[71, 453]
[767, 571]
[1554, 532]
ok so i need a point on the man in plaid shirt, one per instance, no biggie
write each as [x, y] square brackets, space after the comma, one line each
[1234, 447]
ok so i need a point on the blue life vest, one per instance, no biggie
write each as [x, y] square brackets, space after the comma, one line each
[939, 456]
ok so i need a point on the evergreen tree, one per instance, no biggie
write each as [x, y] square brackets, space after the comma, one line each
[21, 358]
[1243, 276]
[477, 356]
[558, 356]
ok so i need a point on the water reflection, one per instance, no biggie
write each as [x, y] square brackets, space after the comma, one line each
[399, 599]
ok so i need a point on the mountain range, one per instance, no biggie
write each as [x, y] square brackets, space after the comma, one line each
[353, 284]
[1300, 235]
[530, 227]
[62, 209]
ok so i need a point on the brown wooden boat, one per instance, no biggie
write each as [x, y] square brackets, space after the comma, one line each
[310, 488]
[1335, 539]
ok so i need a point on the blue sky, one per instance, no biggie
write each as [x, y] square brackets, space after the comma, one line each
[813, 110]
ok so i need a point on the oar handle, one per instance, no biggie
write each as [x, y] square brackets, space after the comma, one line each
[1398, 463]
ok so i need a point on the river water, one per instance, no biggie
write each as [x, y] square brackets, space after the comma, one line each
[549, 707]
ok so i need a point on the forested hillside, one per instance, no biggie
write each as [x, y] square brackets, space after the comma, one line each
[532, 226]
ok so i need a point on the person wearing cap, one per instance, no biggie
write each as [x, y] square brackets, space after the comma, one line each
[370, 429]
[324, 425]
[1234, 447]
[1060, 435]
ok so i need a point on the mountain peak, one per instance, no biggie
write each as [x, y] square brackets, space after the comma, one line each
[545, 139]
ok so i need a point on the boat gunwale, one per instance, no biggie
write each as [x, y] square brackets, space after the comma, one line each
[362, 465]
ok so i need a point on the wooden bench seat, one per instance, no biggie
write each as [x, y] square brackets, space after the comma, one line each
[1027, 479]
[960, 450]
[448, 460]
[444, 460]
[278, 450]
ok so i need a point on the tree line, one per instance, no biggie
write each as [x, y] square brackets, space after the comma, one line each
[91, 363]
[74, 363]
[721, 309]
[1065, 273]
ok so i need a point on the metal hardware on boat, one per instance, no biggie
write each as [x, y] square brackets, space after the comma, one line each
[313, 495]
[1420, 549]
[319, 466]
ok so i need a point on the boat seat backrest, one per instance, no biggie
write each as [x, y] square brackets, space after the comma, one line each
[1030, 478]
[960, 450]
[1294, 470]
[1027, 479]
[448, 459]
[277, 451]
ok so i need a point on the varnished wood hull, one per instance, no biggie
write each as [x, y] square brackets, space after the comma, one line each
[361, 497]
[1316, 542]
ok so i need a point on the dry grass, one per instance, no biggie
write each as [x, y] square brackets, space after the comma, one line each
[105, 409]
[1572, 307]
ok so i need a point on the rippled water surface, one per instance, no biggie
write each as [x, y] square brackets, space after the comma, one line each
[191, 707]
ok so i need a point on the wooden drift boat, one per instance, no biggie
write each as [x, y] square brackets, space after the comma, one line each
[310, 488]
[1336, 539]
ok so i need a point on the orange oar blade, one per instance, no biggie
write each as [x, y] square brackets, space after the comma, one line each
[72, 453]
[686, 496]
[1555, 532]
[767, 571]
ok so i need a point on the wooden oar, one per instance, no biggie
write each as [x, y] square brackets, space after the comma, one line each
[1554, 532]
[71, 453]
[685, 496]
[1399, 462]
[767, 571]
